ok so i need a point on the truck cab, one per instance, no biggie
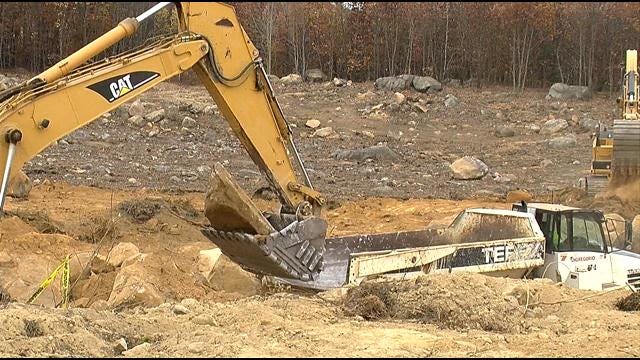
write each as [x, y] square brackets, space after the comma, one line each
[578, 250]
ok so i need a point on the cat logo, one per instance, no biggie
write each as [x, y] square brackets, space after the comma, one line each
[121, 87]
[116, 87]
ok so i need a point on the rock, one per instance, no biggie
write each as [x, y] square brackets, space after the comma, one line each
[378, 152]
[399, 98]
[189, 123]
[366, 95]
[209, 109]
[99, 305]
[313, 123]
[368, 134]
[395, 135]
[394, 83]
[590, 125]
[20, 186]
[533, 127]
[420, 107]
[546, 162]
[222, 274]
[273, 79]
[136, 109]
[324, 132]
[175, 179]
[518, 195]
[291, 79]
[155, 116]
[141, 350]
[564, 91]
[504, 131]
[137, 120]
[131, 289]
[554, 126]
[315, 75]
[100, 265]
[426, 83]
[468, 168]
[339, 82]
[122, 252]
[180, 310]
[120, 346]
[204, 319]
[451, 101]
[563, 142]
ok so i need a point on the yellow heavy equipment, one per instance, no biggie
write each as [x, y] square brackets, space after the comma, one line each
[211, 41]
[616, 152]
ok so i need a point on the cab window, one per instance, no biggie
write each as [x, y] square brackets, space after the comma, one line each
[587, 235]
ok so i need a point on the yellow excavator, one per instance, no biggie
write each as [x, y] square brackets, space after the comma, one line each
[211, 41]
[616, 152]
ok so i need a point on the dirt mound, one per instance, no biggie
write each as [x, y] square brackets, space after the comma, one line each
[465, 301]
[630, 303]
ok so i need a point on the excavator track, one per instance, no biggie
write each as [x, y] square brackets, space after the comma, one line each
[626, 151]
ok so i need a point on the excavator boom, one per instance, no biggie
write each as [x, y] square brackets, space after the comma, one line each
[212, 42]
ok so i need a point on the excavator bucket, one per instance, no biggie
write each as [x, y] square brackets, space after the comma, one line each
[271, 244]
[626, 151]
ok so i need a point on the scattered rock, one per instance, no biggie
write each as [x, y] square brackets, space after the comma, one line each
[137, 120]
[20, 186]
[180, 310]
[426, 84]
[546, 162]
[367, 95]
[451, 101]
[273, 79]
[563, 142]
[122, 252]
[209, 109]
[378, 152]
[533, 127]
[554, 126]
[399, 98]
[324, 132]
[315, 75]
[313, 123]
[136, 109]
[189, 123]
[141, 350]
[291, 79]
[222, 274]
[155, 116]
[504, 131]
[564, 91]
[468, 168]
[339, 82]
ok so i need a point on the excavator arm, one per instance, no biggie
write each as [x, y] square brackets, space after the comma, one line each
[212, 42]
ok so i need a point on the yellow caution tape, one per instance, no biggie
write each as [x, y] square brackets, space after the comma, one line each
[64, 282]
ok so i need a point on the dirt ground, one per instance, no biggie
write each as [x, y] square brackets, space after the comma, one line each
[82, 181]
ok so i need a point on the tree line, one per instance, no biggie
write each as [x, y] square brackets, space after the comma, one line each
[516, 44]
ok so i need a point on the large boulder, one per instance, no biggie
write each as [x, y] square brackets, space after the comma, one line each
[121, 252]
[554, 126]
[273, 79]
[291, 79]
[379, 152]
[394, 83]
[468, 168]
[222, 274]
[588, 124]
[315, 75]
[130, 289]
[426, 83]
[564, 91]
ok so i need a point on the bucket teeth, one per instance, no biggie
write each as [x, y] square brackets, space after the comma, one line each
[284, 253]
